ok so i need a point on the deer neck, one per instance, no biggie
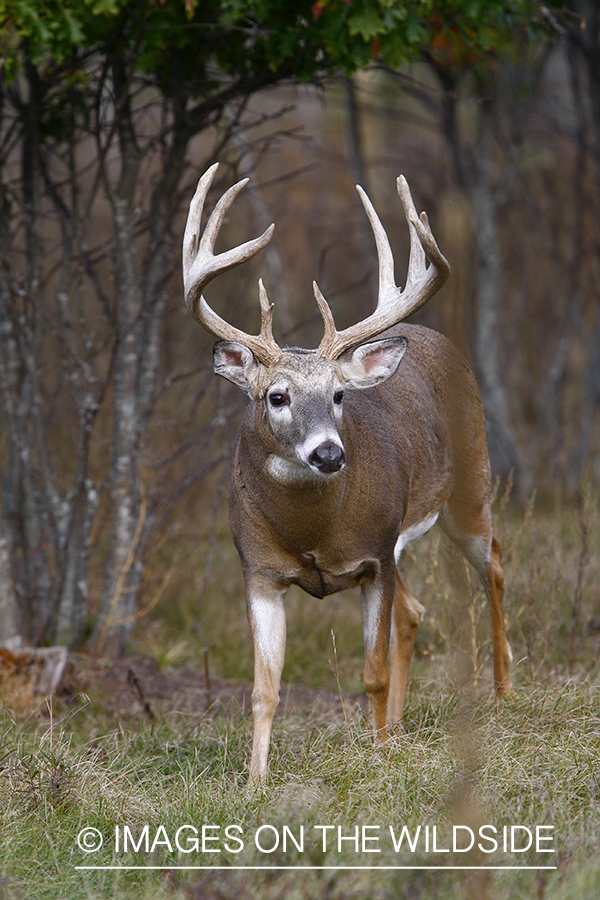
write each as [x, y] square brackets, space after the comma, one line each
[283, 490]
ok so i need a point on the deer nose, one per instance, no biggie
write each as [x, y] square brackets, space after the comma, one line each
[327, 457]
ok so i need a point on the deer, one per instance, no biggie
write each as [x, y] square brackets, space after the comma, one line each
[344, 455]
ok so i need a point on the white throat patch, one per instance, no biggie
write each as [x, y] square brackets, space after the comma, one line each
[289, 471]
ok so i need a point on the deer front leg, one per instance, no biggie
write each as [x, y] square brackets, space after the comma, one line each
[377, 598]
[266, 615]
[407, 613]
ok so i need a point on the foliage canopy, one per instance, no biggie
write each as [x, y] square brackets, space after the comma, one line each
[298, 38]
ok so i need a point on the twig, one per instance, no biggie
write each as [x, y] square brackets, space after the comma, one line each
[133, 681]
[207, 681]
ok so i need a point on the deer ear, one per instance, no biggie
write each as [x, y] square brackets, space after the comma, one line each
[370, 364]
[236, 363]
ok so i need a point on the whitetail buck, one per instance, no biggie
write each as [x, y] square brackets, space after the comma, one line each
[344, 455]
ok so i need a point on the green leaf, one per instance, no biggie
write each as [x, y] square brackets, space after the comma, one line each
[76, 35]
[104, 7]
[368, 24]
[30, 23]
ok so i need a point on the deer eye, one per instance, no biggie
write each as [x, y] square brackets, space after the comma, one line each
[338, 397]
[279, 399]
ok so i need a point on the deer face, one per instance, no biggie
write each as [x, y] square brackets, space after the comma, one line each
[300, 400]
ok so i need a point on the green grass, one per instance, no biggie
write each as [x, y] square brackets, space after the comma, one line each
[464, 758]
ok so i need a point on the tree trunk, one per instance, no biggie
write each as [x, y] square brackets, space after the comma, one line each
[480, 181]
[141, 304]
[587, 41]
[489, 290]
[357, 165]
[120, 592]
[10, 619]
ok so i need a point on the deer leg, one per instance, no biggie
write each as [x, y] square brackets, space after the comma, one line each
[494, 585]
[266, 615]
[377, 599]
[489, 567]
[407, 614]
[484, 551]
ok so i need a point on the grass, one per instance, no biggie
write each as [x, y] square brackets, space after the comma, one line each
[463, 759]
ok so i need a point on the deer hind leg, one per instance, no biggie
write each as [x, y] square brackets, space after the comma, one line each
[494, 584]
[407, 614]
[484, 551]
[266, 615]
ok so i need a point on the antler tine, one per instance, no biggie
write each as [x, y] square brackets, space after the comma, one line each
[200, 266]
[387, 283]
[423, 246]
[417, 262]
[393, 304]
[326, 315]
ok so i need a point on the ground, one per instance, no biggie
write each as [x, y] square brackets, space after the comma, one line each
[135, 685]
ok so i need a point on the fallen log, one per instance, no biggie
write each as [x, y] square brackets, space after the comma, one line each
[37, 669]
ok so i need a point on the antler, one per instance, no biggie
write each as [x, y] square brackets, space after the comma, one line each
[393, 304]
[200, 266]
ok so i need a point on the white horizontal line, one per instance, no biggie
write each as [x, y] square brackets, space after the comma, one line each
[269, 868]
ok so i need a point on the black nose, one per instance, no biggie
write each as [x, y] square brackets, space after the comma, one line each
[327, 457]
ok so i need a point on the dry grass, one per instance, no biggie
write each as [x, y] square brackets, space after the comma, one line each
[463, 760]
